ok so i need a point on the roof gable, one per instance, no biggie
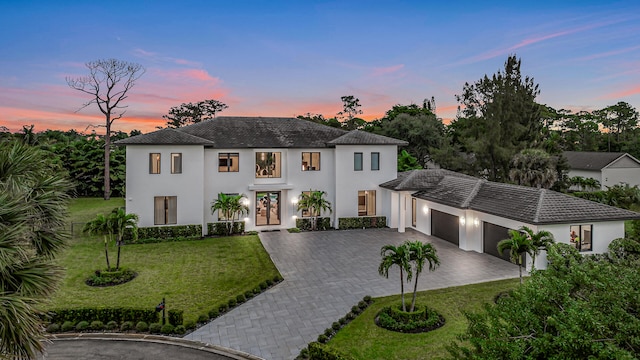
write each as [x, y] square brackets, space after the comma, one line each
[164, 137]
[359, 137]
[591, 160]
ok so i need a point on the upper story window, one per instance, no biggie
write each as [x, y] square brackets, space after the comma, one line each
[268, 165]
[375, 161]
[176, 163]
[581, 237]
[228, 162]
[154, 163]
[357, 161]
[366, 203]
[310, 161]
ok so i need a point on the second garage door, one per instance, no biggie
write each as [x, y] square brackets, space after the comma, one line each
[445, 226]
[491, 236]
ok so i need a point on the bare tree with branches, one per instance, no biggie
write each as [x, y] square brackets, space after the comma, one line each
[108, 83]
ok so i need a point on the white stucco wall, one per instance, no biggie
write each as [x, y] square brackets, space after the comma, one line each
[142, 186]
[618, 176]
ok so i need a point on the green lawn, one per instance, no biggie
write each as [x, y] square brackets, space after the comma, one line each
[362, 339]
[195, 276]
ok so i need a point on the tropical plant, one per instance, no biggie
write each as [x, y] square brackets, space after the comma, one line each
[33, 206]
[100, 226]
[540, 240]
[395, 255]
[121, 222]
[229, 208]
[518, 244]
[533, 167]
[407, 162]
[314, 202]
[419, 254]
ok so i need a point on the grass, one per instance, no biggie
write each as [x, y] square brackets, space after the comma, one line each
[362, 339]
[195, 276]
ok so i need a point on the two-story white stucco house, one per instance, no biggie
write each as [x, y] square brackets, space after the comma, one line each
[173, 175]
[609, 168]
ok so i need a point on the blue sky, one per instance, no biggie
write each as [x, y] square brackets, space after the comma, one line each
[286, 58]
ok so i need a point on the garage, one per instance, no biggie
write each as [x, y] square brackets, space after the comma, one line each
[445, 226]
[491, 236]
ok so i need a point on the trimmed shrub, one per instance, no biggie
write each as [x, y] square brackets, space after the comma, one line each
[248, 294]
[317, 351]
[350, 316]
[362, 305]
[294, 230]
[241, 298]
[361, 222]
[356, 310]
[367, 299]
[323, 223]
[214, 313]
[180, 330]
[155, 328]
[232, 303]
[96, 325]
[277, 278]
[263, 285]
[203, 318]
[105, 315]
[164, 233]
[269, 282]
[176, 317]
[336, 326]
[82, 325]
[189, 325]
[142, 326]
[167, 329]
[322, 338]
[53, 328]
[112, 325]
[68, 326]
[221, 228]
[421, 320]
[342, 321]
[223, 308]
[328, 332]
[126, 326]
[257, 290]
[110, 278]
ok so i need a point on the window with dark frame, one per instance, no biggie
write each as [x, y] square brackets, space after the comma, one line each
[268, 164]
[413, 212]
[176, 163]
[375, 161]
[154, 163]
[581, 236]
[228, 162]
[366, 203]
[357, 161]
[310, 161]
[165, 210]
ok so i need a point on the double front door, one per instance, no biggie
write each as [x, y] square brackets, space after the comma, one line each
[267, 208]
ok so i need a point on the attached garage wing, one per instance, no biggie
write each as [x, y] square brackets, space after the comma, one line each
[445, 226]
[491, 236]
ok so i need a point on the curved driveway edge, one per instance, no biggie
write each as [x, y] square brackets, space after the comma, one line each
[169, 346]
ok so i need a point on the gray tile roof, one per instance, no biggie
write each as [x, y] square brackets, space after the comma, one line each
[229, 132]
[359, 137]
[164, 137]
[521, 203]
[590, 160]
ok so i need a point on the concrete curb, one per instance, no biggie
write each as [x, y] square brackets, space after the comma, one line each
[167, 340]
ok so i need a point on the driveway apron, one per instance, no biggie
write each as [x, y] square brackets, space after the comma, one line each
[325, 274]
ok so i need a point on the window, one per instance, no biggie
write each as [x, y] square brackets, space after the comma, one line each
[176, 163]
[357, 161]
[154, 163]
[413, 212]
[366, 203]
[580, 236]
[310, 161]
[375, 161]
[268, 165]
[228, 162]
[165, 210]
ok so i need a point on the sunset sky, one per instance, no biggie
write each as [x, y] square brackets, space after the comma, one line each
[287, 58]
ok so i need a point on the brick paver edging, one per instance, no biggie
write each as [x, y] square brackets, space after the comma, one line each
[215, 349]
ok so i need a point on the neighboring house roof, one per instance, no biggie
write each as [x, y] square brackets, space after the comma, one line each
[230, 132]
[164, 137]
[521, 203]
[592, 160]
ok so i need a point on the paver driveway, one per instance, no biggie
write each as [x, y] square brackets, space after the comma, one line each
[325, 274]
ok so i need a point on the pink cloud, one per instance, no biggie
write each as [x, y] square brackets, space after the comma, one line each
[386, 70]
[635, 90]
[610, 53]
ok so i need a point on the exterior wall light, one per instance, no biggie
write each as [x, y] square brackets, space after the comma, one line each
[425, 209]
[463, 220]
[246, 220]
[476, 222]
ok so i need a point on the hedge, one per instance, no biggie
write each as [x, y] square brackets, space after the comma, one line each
[176, 317]
[220, 228]
[361, 222]
[323, 223]
[103, 314]
[318, 351]
[166, 232]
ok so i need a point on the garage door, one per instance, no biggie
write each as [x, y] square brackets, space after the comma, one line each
[491, 236]
[445, 226]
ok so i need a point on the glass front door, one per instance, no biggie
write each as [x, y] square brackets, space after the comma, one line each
[268, 208]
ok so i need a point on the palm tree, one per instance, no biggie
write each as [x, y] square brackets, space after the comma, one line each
[33, 206]
[533, 167]
[119, 222]
[518, 244]
[100, 226]
[229, 207]
[395, 255]
[315, 203]
[419, 254]
[540, 240]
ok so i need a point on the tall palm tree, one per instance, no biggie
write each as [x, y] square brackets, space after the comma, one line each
[119, 222]
[518, 244]
[33, 205]
[230, 207]
[540, 240]
[314, 202]
[395, 255]
[533, 167]
[100, 226]
[419, 254]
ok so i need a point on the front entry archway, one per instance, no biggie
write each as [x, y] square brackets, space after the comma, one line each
[268, 208]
